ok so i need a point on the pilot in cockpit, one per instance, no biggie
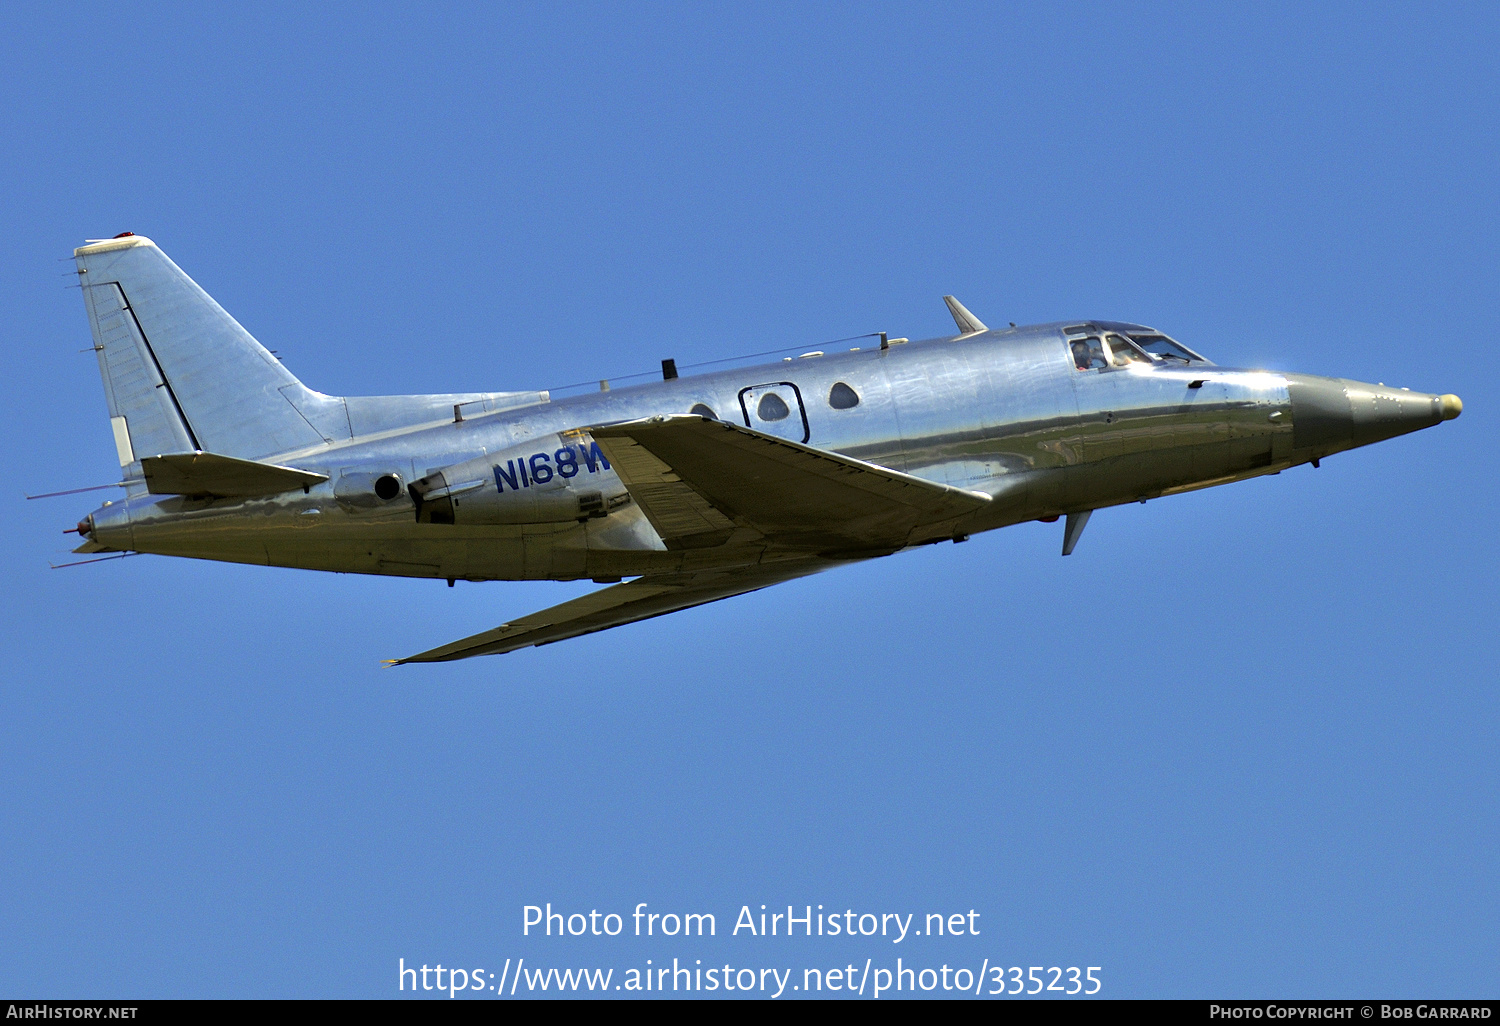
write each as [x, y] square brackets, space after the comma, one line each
[1144, 349]
[1088, 353]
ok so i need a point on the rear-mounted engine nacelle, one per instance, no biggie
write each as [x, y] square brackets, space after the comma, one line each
[549, 480]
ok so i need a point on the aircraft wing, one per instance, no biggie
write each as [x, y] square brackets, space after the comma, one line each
[699, 480]
[618, 604]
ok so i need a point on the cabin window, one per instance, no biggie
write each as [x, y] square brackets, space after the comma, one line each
[1123, 353]
[842, 397]
[1088, 353]
[703, 411]
[772, 407]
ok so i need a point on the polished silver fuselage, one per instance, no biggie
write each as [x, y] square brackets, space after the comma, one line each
[1006, 413]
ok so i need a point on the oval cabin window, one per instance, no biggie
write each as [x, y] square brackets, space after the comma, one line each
[703, 411]
[842, 397]
[772, 407]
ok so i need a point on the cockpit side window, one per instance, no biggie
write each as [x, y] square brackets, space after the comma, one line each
[1088, 353]
[1164, 349]
[1123, 353]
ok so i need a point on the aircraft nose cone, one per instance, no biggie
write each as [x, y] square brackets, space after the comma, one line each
[1333, 414]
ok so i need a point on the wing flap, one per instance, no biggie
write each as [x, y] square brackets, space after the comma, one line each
[791, 494]
[682, 516]
[640, 599]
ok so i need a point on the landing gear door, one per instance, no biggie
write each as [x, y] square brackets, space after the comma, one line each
[776, 409]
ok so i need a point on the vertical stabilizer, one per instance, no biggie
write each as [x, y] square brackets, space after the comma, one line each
[180, 374]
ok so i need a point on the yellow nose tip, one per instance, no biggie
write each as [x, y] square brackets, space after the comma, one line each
[1452, 406]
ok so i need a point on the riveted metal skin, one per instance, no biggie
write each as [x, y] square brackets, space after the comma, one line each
[1334, 414]
[947, 437]
[1006, 413]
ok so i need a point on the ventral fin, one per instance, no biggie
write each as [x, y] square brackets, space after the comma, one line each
[1073, 529]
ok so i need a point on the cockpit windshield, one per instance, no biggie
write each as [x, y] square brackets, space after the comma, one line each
[1102, 348]
[1122, 353]
[1163, 349]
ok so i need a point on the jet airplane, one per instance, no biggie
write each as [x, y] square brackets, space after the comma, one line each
[697, 487]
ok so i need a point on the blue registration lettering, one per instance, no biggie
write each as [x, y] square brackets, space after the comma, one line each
[506, 477]
[593, 456]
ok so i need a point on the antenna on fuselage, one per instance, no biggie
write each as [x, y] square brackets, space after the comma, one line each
[967, 323]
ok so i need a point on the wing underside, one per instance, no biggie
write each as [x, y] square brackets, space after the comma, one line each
[640, 599]
[778, 509]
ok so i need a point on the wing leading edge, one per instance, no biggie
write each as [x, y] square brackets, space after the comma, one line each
[640, 599]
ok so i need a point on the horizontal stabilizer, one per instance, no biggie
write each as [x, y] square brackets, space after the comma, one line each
[697, 480]
[967, 323]
[207, 473]
[640, 599]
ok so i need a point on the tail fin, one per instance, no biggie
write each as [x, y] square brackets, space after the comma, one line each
[180, 374]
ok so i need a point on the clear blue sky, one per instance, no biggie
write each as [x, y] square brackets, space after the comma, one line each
[1269, 769]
